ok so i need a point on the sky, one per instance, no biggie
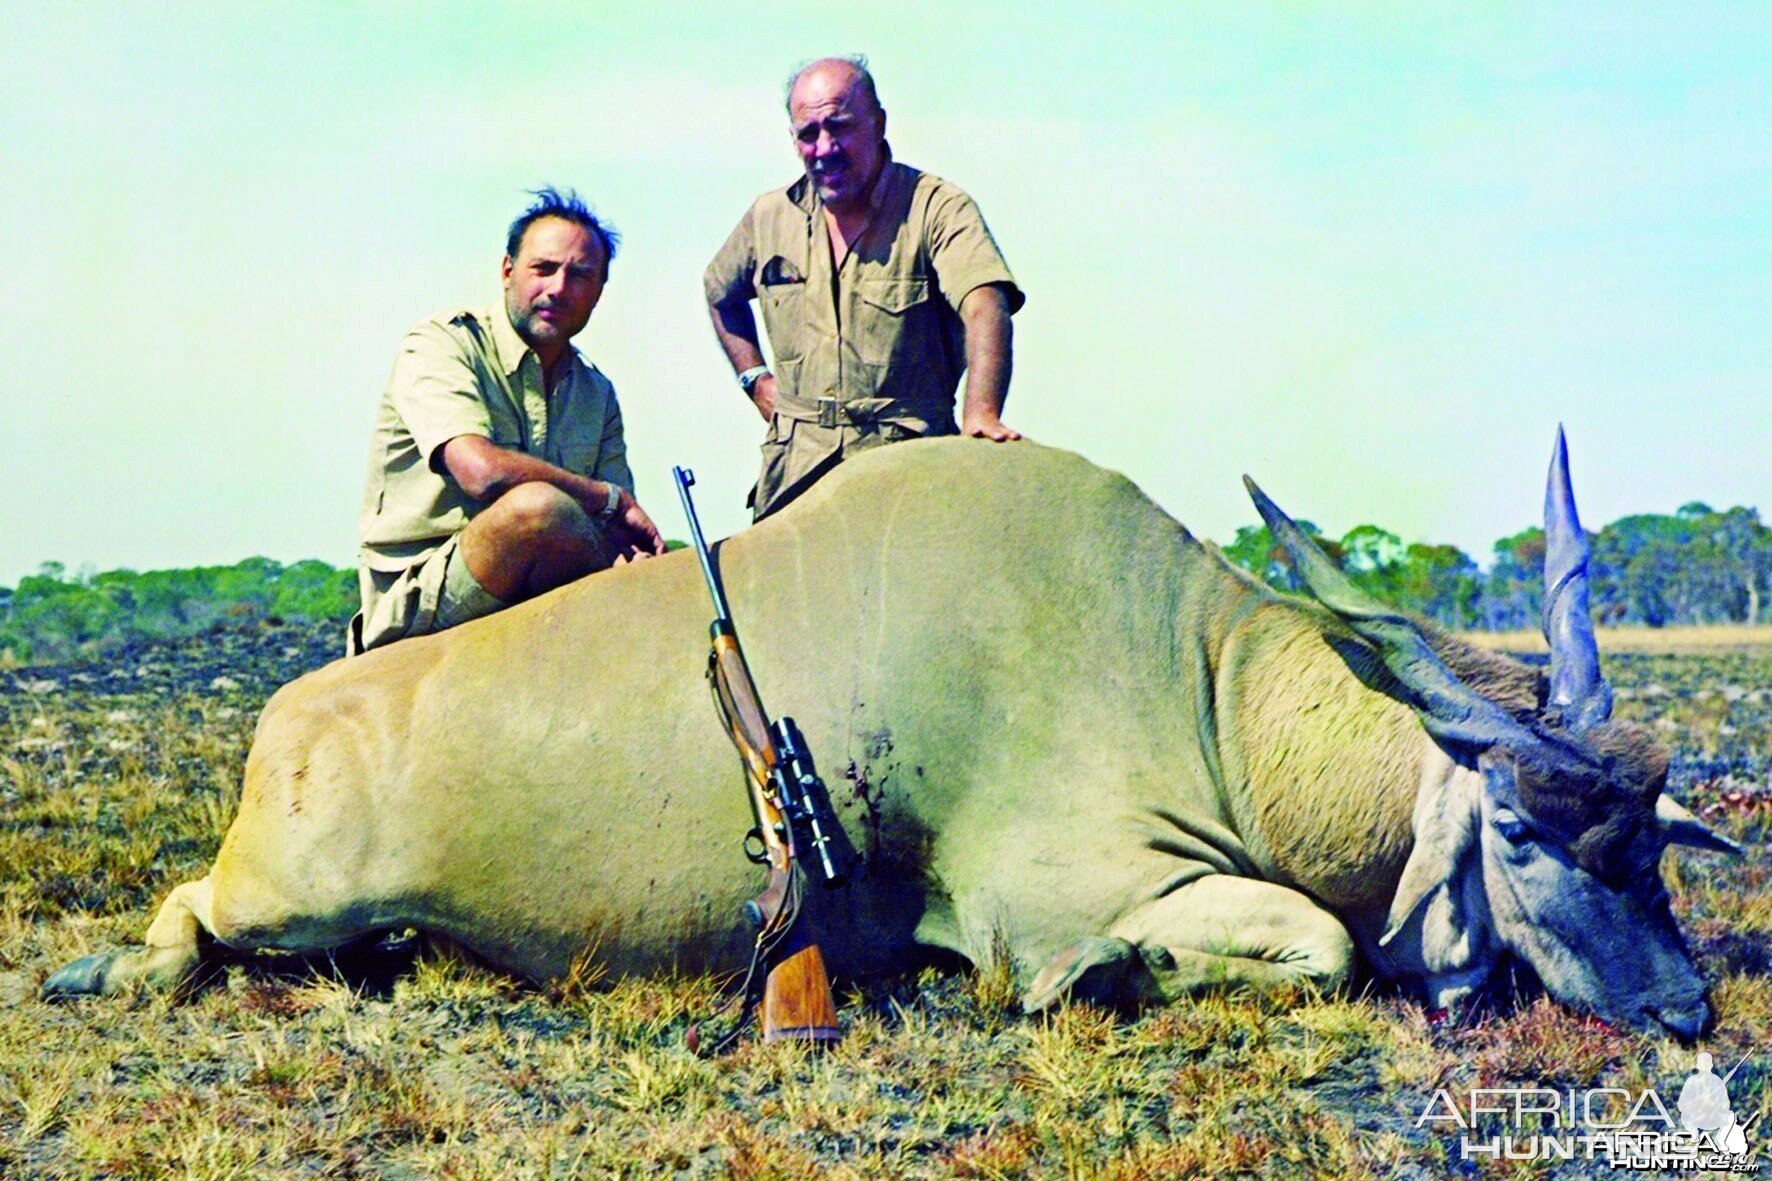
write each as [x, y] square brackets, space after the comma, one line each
[1371, 255]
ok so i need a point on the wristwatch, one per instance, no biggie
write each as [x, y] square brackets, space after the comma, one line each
[747, 381]
[612, 504]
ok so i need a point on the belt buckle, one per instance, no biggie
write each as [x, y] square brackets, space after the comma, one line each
[827, 412]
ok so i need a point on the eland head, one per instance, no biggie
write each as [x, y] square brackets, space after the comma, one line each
[1543, 838]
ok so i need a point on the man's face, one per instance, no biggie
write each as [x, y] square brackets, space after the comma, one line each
[839, 133]
[554, 282]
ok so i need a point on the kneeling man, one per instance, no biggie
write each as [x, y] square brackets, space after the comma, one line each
[498, 470]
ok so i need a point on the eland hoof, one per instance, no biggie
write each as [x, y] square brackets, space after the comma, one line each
[1098, 970]
[84, 977]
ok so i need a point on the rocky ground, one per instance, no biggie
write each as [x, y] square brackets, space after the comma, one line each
[247, 658]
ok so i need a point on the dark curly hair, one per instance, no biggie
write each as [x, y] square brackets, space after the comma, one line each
[568, 205]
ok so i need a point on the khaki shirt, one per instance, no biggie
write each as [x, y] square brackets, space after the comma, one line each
[469, 373]
[880, 337]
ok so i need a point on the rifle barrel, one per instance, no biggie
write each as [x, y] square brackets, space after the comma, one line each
[685, 478]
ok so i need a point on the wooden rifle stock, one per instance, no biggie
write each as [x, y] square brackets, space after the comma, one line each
[797, 1004]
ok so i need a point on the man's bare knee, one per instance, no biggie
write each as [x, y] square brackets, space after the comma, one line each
[532, 521]
[533, 539]
[537, 513]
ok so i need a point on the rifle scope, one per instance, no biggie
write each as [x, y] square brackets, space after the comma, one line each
[806, 804]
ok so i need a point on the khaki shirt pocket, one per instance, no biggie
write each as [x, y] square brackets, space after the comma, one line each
[893, 318]
[783, 307]
[575, 442]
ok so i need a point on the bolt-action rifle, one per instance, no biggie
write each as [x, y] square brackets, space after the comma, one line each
[795, 825]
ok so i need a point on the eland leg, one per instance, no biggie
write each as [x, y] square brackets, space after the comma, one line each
[237, 909]
[171, 952]
[1215, 933]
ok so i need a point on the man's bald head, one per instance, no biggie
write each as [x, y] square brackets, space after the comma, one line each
[839, 130]
[847, 72]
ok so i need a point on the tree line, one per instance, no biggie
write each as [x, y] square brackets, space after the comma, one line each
[52, 616]
[1697, 565]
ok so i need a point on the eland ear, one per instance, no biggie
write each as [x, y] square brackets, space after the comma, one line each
[1440, 931]
[1683, 828]
[1431, 899]
[1450, 710]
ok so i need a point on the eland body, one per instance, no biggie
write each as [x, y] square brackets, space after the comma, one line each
[1056, 726]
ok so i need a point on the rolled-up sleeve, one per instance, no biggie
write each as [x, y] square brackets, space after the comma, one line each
[436, 391]
[961, 249]
[729, 279]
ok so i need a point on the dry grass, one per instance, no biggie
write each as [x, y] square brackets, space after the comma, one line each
[1687, 640]
[386, 1067]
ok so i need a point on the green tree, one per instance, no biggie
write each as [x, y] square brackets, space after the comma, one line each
[1513, 593]
[1443, 583]
[52, 617]
[1256, 551]
[1374, 559]
[1746, 546]
[313, 590]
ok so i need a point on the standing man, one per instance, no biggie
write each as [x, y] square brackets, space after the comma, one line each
[879, 285]
[497, 470]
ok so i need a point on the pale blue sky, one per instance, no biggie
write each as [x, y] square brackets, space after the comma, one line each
[1370, 256]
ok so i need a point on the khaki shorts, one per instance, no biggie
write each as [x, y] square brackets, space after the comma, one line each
[438, 593]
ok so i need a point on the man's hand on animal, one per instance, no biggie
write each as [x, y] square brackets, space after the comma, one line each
[989, 349]
[985, 425]
[634, 528]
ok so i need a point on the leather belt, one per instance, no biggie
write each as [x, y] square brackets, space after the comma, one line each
[857, 412]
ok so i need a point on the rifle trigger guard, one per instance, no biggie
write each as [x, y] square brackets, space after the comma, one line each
[755, 850]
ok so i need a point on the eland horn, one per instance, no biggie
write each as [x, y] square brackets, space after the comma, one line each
[1577, 688]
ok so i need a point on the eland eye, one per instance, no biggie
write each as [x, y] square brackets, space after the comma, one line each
[1510, 826]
